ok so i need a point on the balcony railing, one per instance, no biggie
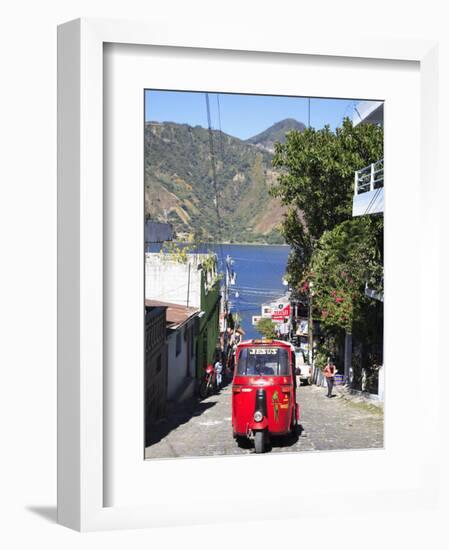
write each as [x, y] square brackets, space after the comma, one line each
[369, 178]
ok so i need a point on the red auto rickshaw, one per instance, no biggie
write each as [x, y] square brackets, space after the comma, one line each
[264, 391]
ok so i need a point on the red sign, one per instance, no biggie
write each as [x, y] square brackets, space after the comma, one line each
[280, 311]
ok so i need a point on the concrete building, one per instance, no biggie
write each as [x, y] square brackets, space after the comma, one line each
[369, 181]
[368, 200]
[172, 280]
[191, 281]
[368, 112]
[182, 325]
[158, 232]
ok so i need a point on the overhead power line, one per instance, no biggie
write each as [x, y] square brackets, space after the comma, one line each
[373, 200]
[224, 262]
[220, 135]
[214, 177]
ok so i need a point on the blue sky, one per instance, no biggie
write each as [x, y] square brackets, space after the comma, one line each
[243, 116]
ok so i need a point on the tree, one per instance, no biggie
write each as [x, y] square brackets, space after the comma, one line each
[266, 327]
[316, 181]
[330, 249]
[347, 258]
[296, 235]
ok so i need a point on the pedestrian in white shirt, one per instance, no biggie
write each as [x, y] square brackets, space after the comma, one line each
[218, 367]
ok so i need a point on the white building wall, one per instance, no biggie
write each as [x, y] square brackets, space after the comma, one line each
[168, 281]
[371, 202]
[176, 366]
[177, 379]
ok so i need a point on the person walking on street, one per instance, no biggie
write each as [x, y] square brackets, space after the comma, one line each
[218, 367]
[231, 363]
[329, 372]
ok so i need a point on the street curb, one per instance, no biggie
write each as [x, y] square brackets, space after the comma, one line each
[353, 396]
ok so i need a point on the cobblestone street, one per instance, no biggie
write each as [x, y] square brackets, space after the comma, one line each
[204, 428]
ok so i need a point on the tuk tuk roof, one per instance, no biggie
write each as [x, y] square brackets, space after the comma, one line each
[266, 342]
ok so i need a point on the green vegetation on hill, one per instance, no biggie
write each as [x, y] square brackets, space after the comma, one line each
[276, 133]
[179, 185]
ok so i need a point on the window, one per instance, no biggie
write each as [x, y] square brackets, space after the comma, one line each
[263, 362]
[178, 343]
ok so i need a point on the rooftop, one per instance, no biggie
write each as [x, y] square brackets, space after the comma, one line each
[369, 111]
[176, 314]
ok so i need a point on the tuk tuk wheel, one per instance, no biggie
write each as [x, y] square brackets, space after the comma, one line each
[260, 441]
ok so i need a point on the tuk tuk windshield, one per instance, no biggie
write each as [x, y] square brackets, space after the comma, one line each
[263, 362]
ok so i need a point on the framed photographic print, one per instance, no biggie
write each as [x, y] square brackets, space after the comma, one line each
[237, 229]
[254, 253]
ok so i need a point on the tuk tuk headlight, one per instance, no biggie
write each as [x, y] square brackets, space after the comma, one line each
[258, 416]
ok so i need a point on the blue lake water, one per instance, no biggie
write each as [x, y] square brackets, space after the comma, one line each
[259, 272]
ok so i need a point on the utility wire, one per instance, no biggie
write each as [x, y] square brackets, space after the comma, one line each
[350, 105]
[217, 202]
[253, 260]
[219, 127]
[220, 141]
[258, 290]
[373, 200]
[214, 177]
[308, 118]
[257, 293]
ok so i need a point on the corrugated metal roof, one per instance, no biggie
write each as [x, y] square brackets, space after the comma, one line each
[176, 314]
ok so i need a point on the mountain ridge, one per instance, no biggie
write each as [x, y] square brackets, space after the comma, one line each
[276, 132]
[179, 185]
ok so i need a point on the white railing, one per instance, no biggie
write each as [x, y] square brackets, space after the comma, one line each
[369, 178]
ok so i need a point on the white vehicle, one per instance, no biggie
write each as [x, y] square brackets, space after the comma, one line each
[306, 370]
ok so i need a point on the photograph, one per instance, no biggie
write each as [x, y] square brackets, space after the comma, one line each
[264, 271]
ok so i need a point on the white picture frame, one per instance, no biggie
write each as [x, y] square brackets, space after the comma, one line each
[83, 409]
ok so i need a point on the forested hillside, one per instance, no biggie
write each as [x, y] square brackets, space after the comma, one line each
[179, 185]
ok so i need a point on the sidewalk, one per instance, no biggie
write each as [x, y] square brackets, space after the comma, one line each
[355, 396]
[358, 397]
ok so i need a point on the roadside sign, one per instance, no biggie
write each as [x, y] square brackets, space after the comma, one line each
[280, 311]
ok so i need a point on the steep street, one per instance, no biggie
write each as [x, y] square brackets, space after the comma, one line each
[204, 428]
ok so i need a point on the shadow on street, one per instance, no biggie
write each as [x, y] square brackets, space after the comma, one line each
[177, 414]
[276, 442]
